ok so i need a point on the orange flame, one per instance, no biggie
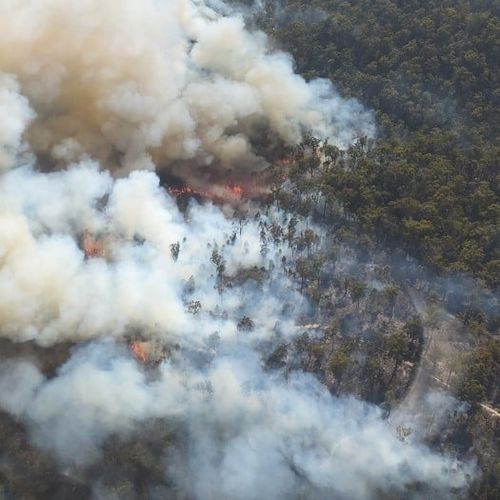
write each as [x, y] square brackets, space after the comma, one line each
[184, 191]
[215, 192]
[91, 247]
[140, 351]
[238, 190]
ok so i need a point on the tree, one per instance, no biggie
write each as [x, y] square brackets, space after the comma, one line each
[338, 363]
[218, 260]
[245, 324]
[174, 250]
[396, 348]
[194, 307]
[358, 291]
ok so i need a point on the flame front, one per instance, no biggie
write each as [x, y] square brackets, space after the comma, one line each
[216, 192]
[185, 191]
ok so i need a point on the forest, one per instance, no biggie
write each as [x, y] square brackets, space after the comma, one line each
[429, 70]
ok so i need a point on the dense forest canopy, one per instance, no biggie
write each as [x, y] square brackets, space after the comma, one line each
[429, 70]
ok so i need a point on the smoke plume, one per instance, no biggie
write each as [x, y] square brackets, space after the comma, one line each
[135, 82]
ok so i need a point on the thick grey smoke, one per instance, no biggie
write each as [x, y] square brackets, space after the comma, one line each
[50, 292]
[140, 81]
[99, 262]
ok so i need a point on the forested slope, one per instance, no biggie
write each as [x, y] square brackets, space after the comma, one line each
[428, 185]
[429, 70]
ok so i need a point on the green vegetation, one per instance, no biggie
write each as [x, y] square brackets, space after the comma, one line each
[429, 70]
[481, 381]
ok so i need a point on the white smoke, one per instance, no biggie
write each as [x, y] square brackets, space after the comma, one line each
[242, 422]
[49, 292]
[133, 81]
[16, 113]
[252, 433]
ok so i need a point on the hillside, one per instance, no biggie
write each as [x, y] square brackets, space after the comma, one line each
[430, 72]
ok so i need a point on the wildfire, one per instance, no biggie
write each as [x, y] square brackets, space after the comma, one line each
[215, 192]
[238, 190]
[91, 247]
[148, 352]
[140, 350]
[185, 191]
